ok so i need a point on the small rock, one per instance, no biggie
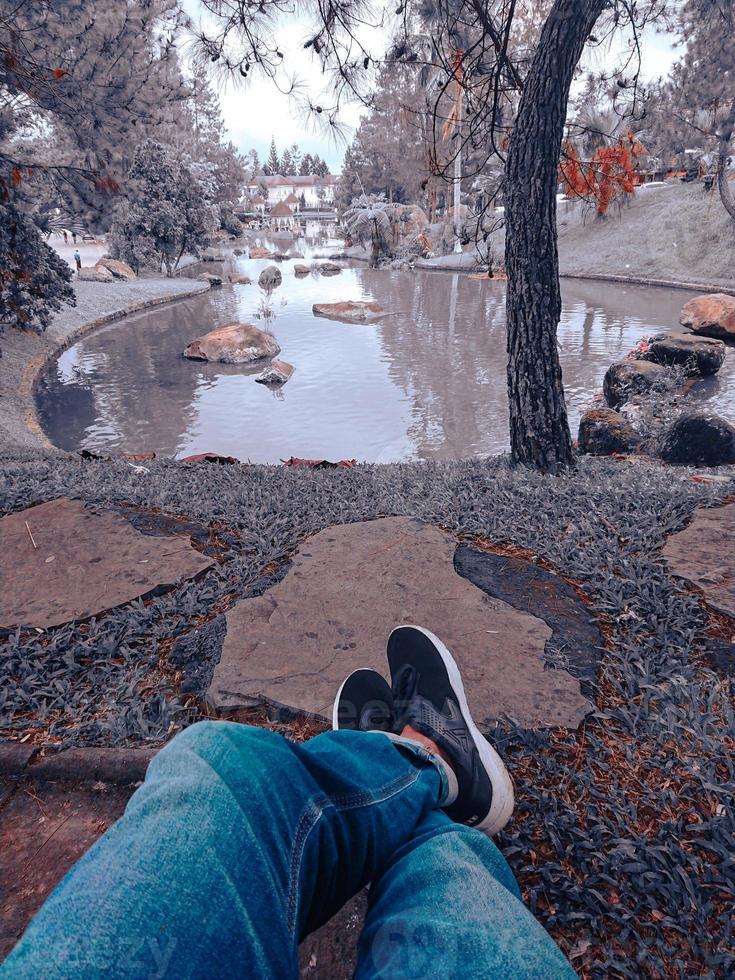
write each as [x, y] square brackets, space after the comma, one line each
[631, 377]
[95, 274]
[301, 270]
[712, 315]
[603, 431]
[281, 256]
[210, 278]
[234, 343]
[257, 252]
[277, 373]
[239, 279]
[270, 277]
[237, 251]
[119, 269]
[350, 311]
[699, 439]
[699, 355]
[329, 268]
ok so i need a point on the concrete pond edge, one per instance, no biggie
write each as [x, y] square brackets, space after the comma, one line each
[27, 387]
[117, 765]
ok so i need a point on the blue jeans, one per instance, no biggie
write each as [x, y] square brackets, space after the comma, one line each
[239, 843]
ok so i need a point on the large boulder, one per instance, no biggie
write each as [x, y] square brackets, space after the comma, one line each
[239, 279]
[329, 268]
[631, 377]
[349, 311]
[712, 315]
[257, 252]
[270, 277]
[412, 220]
[95, 274]
[698, 355]
[699, 439]
[276, 374]
[301, 270]
[603, 431]
[234, 343]
[119, 269]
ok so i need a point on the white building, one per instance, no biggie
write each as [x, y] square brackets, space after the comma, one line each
[310, 191]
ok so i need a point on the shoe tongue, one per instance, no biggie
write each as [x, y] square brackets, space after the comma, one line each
[404, 689]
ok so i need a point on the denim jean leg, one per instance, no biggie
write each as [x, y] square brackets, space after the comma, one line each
[447, 905]
[238, 843]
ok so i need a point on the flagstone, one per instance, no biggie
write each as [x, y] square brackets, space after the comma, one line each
[65, 561]
[347, 587]
[704, 554]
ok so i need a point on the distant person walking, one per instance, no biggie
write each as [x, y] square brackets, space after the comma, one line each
[77, 259]
[74, 237]
[66, 239]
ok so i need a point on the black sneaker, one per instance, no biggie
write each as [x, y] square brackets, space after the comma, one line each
[428, 695]
[364, 703]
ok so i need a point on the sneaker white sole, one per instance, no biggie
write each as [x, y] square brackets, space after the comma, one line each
[501, 807]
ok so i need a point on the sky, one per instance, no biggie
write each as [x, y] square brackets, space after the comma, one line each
[257, 110]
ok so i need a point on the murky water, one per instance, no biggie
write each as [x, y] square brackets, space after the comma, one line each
[427, 382]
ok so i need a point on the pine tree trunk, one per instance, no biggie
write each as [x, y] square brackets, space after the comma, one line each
[723, 155]
[539, 430]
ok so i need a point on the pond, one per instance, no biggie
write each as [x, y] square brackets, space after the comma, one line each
[426, 382]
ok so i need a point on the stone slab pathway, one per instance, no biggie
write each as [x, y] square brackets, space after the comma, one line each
[64, 561]
[348, 586]
[704, 554]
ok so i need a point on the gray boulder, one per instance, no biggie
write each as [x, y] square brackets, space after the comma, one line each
[631, 377]
[699, 439]
[603, 431]
[270, 277]
[698, 355]
[276, 374]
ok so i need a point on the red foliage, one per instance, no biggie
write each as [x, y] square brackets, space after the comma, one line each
[610, 173]
[58, 72]
[16, 176]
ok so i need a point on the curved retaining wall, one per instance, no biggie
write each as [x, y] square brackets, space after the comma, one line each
[25, 355]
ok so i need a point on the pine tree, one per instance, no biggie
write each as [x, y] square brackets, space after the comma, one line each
[287, 167]
[272, 166]
[306, 165]
[296, 158]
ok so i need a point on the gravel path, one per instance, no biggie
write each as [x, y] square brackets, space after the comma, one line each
[623, 837]
[24, 354]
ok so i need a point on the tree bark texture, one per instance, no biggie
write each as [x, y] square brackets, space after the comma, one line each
[723, 155]
[539, 429]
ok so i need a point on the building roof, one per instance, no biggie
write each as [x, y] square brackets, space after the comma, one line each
[307, 180]
[258, 200]
[291, 199]
[281, 210]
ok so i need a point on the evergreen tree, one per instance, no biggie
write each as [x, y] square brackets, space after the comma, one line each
[296, 158]
[272, 165]
[287, 165]
[306, 165]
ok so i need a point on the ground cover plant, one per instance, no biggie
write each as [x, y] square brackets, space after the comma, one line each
[623, 837]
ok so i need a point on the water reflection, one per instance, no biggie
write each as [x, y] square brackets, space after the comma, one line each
[427, 382]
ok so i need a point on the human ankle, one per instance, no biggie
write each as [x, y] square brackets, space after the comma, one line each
[428, 743]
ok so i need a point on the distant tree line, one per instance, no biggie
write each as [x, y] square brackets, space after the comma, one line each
[291, 163]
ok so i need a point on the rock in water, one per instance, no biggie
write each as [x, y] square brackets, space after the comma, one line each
[350, 311]
[301, 270]
[329, 268]
[630, 377]
[234, 343]
[210, 278]
[270, 277]
[699, 439]
[119, 269]
[603, 431]
[277, 373]
[712, 315]
[95, 274]
[699, 355]
[238, 279]
[256, 252]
